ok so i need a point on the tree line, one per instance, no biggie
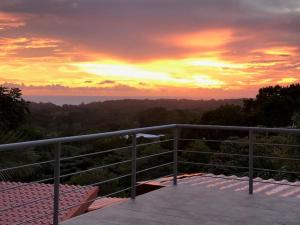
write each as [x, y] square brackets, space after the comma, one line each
[275, 106]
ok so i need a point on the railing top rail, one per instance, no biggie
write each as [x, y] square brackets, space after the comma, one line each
[86, 137]
[240, 128]
[44, 142]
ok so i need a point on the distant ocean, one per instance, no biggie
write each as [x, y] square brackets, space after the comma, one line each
[77, 100]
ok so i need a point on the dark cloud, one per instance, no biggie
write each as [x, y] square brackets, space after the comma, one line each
[142, 83]
[107, 82]
[129, 28]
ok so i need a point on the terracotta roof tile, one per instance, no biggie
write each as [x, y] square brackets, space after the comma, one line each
[38, 200]
[268, 187]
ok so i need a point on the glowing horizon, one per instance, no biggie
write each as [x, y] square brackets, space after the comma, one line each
[203, 53]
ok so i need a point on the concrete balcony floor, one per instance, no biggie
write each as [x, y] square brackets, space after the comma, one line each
[200, 203]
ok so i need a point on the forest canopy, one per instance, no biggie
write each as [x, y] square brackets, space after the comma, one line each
[272, 107]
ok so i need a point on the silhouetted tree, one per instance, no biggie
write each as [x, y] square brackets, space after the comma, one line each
[273, 106]
[224, 115]
[14, 109]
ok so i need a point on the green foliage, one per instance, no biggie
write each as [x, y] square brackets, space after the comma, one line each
[273, 106]
[14, 127]
[105, 116]
[196, 156]
[96, 177]
[14, 109]
[296, 120]
[153, 161]
[275, 152]
[14, 158]
[277, 146]
[224, 115]
[233, 145]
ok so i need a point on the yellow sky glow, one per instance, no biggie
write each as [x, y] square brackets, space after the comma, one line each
[192, 63]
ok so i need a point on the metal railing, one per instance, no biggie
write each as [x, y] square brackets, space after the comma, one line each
[175, 162]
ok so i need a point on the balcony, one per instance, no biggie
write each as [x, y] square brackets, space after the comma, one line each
[177, 196]
[200, 200]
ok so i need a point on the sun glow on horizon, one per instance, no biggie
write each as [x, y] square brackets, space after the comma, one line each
[201, 73]
[159, 54]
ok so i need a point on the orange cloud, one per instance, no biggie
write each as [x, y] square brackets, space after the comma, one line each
[8, 21]
[211, 38]
[17, 47]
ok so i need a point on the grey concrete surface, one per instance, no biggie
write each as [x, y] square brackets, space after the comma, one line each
[196, 205]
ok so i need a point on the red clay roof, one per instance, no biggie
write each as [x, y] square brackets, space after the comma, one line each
[42, 209]
[268, 187]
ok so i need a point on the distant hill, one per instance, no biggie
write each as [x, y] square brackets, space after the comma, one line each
[118, 114]
[141, 104]
[170, 103]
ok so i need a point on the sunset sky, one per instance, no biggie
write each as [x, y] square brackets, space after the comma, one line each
[159, 48]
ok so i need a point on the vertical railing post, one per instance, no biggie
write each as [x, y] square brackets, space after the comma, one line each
[56, 184]
[175, 155]
[133, 167]
[251, 150]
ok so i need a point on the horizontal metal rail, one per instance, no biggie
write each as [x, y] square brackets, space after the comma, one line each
[276, 144]
[22, 145]
[29, 144]
[240, 128]
[112, 150]
[96, 153]
[154, 155]
[210, 164]
[95, 168]
[213, 141]
[213, 153]
[278, 158]
[154, 142]
[110, 180]
[277, 171]
[154, 167]
[238, 167]
[26, 165]
[58, 141]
